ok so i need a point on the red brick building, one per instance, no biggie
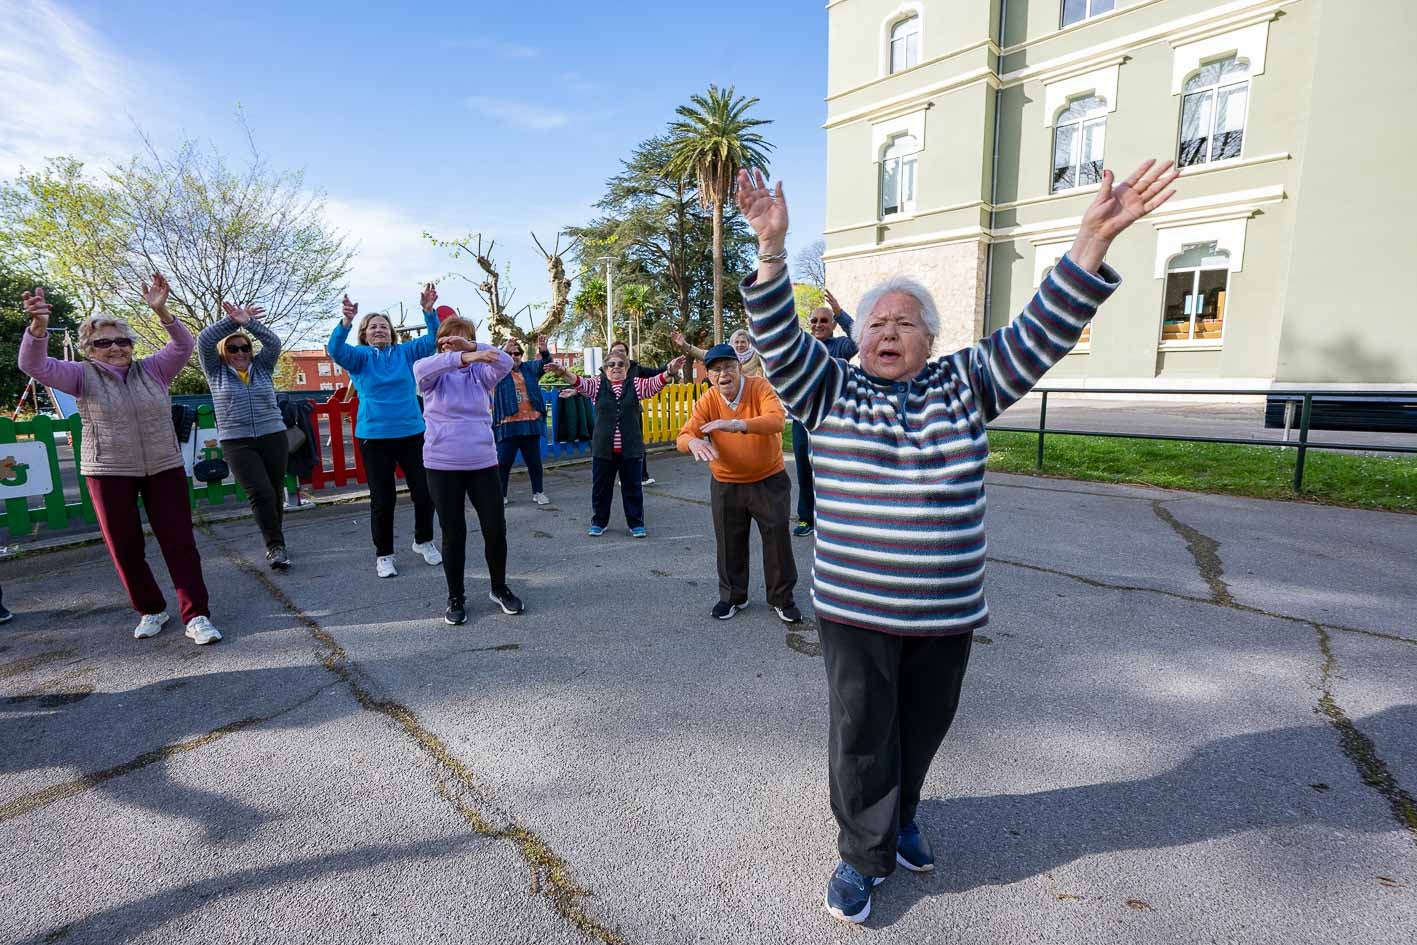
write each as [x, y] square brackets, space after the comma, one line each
[314, 371]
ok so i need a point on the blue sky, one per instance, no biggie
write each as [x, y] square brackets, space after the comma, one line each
[448, 117]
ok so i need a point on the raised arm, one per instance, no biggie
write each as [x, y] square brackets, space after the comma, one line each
[350, 357]
[846, 347]
[426, 345]
[491, 365]
[646, 387]
[679, 340]
[35, 361]
[427, 371]
[805, 376]
[270, 342]
[207, 340]
[172, 357]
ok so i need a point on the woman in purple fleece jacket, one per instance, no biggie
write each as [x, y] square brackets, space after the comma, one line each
[460, 454]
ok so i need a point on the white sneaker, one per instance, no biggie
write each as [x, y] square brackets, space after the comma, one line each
[648, 482]
[149, 626]
[540, 498]
[430, 552]
[200, 631]
[506, 500]
[384, 565]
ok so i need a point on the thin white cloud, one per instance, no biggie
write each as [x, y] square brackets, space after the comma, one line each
[577, 82]
[518, 114]
[501, 48]
[64, 90]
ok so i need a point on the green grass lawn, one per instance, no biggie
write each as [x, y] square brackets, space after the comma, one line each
[1369, 482]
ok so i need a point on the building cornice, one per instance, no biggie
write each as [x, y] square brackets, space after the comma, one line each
[981, 44]
[906, 101]
[1192, 171]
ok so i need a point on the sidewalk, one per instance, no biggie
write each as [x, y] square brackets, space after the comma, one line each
[1193, 719]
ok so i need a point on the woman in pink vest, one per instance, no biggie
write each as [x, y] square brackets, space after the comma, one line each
[129, 451]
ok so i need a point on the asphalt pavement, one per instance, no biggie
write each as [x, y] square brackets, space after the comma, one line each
[1192, 719]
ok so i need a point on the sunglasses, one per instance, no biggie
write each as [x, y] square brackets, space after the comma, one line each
[611, 364]
[106, 343]
[238, 349]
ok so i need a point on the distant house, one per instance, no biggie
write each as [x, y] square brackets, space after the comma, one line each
[314, 371]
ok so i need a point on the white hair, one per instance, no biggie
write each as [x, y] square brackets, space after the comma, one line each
[743, 332]
[90, 326]
[904, 284]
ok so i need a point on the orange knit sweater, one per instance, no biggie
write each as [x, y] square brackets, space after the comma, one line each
[742, 457]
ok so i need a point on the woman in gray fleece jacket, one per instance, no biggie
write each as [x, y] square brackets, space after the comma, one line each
[249, 425]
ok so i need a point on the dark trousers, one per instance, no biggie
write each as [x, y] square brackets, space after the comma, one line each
[736, 506]
[891, 701]
[258, 463]
[530, 448]
[380, 458]
[450, 489]
[164, 495]
[802, 452]
[644, 468]
[602, 488]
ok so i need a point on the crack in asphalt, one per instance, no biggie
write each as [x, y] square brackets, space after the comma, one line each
[550, 875]
[1205, 551]
[27, 803]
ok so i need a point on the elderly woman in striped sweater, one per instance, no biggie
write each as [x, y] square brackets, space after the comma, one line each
[249, 425]
[900, 446]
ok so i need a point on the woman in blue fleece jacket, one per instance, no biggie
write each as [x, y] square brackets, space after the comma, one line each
[389, 426]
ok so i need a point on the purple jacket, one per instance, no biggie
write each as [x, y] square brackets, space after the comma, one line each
[457, 408]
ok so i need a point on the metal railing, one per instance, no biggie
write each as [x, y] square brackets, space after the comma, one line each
[1302, 445]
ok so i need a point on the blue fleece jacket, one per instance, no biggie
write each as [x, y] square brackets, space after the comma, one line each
[383, 378]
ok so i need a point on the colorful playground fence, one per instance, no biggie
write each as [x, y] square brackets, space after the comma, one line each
[40, 485]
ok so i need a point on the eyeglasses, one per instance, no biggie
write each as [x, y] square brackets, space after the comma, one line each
[238, 349]
[720, 367]
[106, 343]
[611, 364]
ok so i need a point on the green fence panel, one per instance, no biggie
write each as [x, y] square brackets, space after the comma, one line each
[16, 519]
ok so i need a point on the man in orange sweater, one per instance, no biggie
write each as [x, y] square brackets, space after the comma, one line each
[736, 428]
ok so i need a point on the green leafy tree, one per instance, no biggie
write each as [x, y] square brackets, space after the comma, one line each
[712, 139]
[806, 298]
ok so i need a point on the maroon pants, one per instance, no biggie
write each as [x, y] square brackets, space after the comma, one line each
[164, 495]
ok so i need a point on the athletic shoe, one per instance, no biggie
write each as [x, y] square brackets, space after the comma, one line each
[5, 615]
[149, 626]
[639, 531]
[789, 614]
[429, 551]
[648, 482]
[595, 531]
[200, 631]
[912, 850]
[849, 894]
[384, 566]
[277, 558]
[509, 602]
[723, 609]
[456, 612]
[803, 529]
[540, 498]
[506, 500]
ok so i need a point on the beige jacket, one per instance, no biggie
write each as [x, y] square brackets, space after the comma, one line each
[127, 425]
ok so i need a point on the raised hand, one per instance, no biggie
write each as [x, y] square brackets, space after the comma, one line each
[677, 337]
[703, 451]
[156, 294]
[38, 311]
[541, 342]
[831, 300]
[241, 314]
[456, 343]
[673, 367]
[1117, 207]
[429, 298]
[350, 309]
[764, 209]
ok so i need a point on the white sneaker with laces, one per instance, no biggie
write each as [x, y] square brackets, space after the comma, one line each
[149, 626]
[200, 631]
[384, 566]
[430, 552]
[540, 498]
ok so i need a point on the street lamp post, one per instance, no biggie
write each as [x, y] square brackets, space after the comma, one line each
[609, 312]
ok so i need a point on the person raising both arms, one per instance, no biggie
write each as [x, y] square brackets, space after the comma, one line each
[389, 426]
[637, 370]
[900, 449]
[748, 359]
[129, 452]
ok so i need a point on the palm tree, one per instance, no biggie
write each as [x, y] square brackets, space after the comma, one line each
[710, 141]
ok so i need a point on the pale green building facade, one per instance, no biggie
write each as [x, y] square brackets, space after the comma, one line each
[965, 139]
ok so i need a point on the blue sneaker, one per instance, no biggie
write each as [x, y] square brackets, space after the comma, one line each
[639, 532]
[849, 894]
[596, 531]
[912, 850]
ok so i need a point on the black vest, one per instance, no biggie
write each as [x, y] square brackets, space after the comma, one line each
[608, 413]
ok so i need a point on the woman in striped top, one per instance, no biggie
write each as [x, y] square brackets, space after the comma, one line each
[899, 449]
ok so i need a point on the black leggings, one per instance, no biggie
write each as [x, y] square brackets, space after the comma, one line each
[450, 488]
[258, 463]
[380, 458]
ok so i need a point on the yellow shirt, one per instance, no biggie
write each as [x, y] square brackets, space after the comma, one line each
[244, 375]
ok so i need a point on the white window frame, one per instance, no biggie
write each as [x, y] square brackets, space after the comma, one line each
[1097, 116]
[905, 160]
[1087, 13]
[300, 377]
[1193, 342]
[327, 386]
[1213, 90]
[912, 9]
[323, 369]
[913, 23]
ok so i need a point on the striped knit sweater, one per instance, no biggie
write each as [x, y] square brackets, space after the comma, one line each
[899, 466]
